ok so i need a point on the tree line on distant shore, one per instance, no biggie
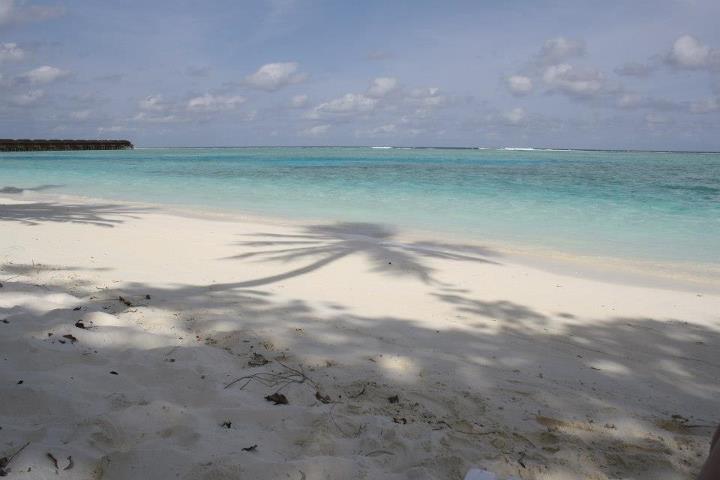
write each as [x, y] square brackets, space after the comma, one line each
[26, 145]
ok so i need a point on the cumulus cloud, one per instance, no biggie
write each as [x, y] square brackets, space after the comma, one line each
[689, 53]
[350, 103]
[519, 85]
[559, 49]
[389, 131]
[316, 130]
[215, 103]
[44, 74]
[273, 76]
[299, 101]
[158, 109]
[575, 82]
[113, 129]
[154, 103]
[635, 101]
[634, 69]
[28, 98]
[11, 52]
[11, 12]
[516, 116]
[148, 117]
[550, 68]
[382, 86]
[427, 97]
[383, 96]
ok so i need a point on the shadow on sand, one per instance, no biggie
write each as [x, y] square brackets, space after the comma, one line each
[97, 214]
[501, 390]
[322, 245]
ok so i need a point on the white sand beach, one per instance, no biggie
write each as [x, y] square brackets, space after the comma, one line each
[400, 357]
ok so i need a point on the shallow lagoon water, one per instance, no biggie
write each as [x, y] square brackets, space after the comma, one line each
[652, 206]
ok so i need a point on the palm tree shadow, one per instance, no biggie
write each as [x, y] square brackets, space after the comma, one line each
[100, 215]
[326, 244]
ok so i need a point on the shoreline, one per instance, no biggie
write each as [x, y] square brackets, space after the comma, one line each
[689, 276]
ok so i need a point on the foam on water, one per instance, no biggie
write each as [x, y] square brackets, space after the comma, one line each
[641, 205]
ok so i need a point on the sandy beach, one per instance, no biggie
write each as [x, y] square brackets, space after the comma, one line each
[140, 343]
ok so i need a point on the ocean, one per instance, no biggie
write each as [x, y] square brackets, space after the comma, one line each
[655, 206]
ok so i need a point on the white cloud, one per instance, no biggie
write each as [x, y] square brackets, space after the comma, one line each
[153, 118]
[10, 52]
[389, 130]
[635, 101]
[348, 104]
[273, 76]
[316, 130]
[385, 129]
[113, 129]
[12, 13]
[215, 103]
[519, 85]
[44, 74]
[154, 103]
[382, 86]
[559, 49]
[427, 97]
[28, 98]
[567, 79]
[687, 52]
[380, 97]
[515, 116]
[708, 105]
[81, 115]
[158, 109]
[299, 101]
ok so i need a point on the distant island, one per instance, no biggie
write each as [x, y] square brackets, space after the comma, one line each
[27, 145]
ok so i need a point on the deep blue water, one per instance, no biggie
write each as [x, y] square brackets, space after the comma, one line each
[654, 206]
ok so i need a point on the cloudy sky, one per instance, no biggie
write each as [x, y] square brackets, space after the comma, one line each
[573, 73]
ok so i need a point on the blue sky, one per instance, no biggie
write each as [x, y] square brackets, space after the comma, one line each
[611, 74]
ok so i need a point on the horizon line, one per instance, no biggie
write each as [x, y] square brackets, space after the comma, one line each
[435, 147]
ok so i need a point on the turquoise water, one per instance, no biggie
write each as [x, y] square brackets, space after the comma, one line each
[654, 206]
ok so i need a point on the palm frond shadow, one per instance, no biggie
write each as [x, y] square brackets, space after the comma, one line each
[325, 244]
[97, 214]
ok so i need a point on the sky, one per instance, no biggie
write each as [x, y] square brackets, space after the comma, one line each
[636, 74]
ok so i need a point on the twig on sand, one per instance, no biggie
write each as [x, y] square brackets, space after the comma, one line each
[360, 393]
[5, 461]
[125, 301]
[376, 453]
[280, 380]
[332, 419]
